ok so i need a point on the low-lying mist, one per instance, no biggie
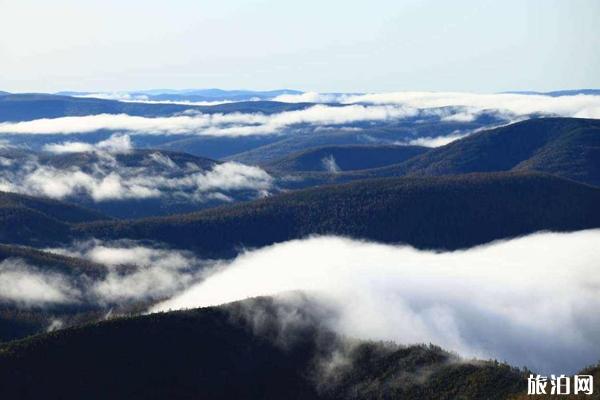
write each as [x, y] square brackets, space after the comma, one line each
[532, 301]
[132, 272]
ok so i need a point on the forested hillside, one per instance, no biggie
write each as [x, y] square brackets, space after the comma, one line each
[441, 212]
[220, 353]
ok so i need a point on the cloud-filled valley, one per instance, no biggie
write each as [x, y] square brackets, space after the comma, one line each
[113, 170]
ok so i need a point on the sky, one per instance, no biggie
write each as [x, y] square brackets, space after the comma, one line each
[326, 46]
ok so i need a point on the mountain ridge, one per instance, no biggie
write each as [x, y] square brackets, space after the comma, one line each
[470, 209]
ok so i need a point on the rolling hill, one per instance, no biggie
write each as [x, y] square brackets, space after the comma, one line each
[220, 353]
[441, 212]
[345, 158]
[567, 147]
[383, 133]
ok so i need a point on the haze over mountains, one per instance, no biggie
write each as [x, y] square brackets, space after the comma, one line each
[125, 203]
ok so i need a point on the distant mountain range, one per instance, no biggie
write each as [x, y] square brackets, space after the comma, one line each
[187, 95]
[29, 106]
[558, 93]
[250, 149]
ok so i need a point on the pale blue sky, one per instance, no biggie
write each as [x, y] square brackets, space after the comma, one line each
[375, 45]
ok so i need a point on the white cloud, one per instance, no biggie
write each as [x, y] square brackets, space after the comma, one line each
[532, 301]
[116, 144]
[69, 147]
[29, 286]
[233, 124]
[437, 141]
[307, 97]
[330, 164]
[158, 272]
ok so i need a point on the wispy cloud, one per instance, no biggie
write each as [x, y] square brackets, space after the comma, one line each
[531, 301]
[437, 141]
[330, 164]
[152, 272]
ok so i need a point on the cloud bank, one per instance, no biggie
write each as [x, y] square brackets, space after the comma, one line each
[104, 176]
[231, 124]
[531, 301]
[581, 106]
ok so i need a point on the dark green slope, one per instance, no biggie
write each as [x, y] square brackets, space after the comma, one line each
[575, 155]
[52, 262]
[441, 212]
[347, 158]
[38, 221]
[382, 133]
[567, 147]
[219, 353]
[54, 209]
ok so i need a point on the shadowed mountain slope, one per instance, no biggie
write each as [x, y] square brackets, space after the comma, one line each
[225, 353]
[32, 220]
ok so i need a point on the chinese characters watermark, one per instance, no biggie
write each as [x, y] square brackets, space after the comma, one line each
[560, 385]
